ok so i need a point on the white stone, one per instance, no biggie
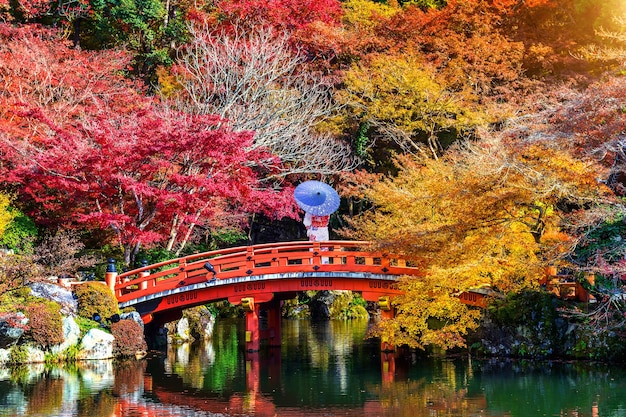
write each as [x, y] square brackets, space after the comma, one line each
[71, 335]
[96, 344]
[35, 355]
[182, 329]
[4, 355]
[133, 315]
[208, 326]
[57, 293]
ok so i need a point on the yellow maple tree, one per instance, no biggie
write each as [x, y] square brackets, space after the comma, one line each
[402, 97]
[6, 215]
[484, 215]
[364, 14]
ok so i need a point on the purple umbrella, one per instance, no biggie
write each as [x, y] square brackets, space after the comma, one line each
[317, 198]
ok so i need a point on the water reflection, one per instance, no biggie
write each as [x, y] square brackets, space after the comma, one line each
[37, 390]
[322, 369]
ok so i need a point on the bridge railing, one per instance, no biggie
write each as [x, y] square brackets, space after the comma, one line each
[266, 259]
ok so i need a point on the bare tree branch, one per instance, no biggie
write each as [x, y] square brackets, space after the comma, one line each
[255, 82]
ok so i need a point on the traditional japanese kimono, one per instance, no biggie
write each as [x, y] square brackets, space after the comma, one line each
[316, 227]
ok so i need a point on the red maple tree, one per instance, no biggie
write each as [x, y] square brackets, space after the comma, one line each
[145, 177]
[287, 15]
[82, 148]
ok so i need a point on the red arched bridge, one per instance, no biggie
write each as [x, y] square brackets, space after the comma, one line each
[264, 275]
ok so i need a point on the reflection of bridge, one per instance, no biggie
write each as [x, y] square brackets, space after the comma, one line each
[171, 399]
[270, 390]
[262, 275]
[171, 396]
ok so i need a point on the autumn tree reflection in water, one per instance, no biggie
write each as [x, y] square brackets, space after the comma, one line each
[322, 369]
[441, 392]
[325, 368]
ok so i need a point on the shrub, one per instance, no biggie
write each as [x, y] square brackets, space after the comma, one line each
[46, 323]
[71, 353]
[95, 298]
[227, 310]
[18, 355]
[85, 324]
[19, 235]
[524, 324]
[348, 306]
[129, 338]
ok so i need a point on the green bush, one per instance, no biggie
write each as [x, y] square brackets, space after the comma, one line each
[20, 233]
[524, 324]
[153, 256]
[18, 355]
[524, 308]
[71, 353]
[226, 310]
[18, 300]
[295, 309]
[129, 338]
[46, 323]
[95, 298]
[347, 306]
[85, 324]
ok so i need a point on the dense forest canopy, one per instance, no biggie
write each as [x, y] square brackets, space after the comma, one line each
[482, 138]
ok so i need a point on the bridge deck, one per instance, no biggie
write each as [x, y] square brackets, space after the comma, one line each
[265, 272]
[275, 259]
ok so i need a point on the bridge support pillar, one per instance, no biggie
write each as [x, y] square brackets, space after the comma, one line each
[253, 338]
[387, 312]
[274, 323]
[388, 367]
[387, 345]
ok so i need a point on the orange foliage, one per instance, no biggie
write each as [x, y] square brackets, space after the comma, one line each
[551, 30]
[476, 217]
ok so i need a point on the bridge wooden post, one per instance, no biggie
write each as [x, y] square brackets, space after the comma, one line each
[274, 323]
[111, 275]
[250, 258]
[144, 284]
[316, 249]
[253, 338]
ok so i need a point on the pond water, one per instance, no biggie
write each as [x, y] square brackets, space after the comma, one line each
[322, 369]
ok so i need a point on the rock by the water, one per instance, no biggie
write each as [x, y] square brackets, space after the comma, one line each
[71, 335]
[96, 344]
[12, 326]
[182, 330]
[58, 294]
[134, 316]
